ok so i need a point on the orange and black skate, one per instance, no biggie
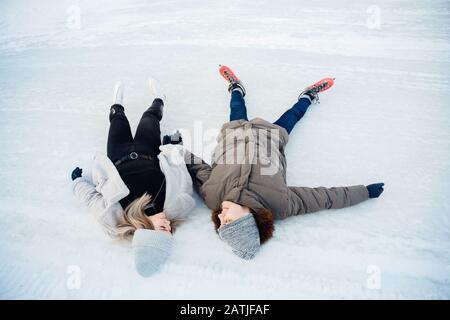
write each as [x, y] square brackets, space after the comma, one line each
[232, 79]
[313, 90]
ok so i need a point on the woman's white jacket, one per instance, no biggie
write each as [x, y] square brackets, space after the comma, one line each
[103, 193]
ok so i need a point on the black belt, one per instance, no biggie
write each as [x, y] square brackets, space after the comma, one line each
[132, 156]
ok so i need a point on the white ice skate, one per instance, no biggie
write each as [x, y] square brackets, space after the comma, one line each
[118, 93]
[156, 89]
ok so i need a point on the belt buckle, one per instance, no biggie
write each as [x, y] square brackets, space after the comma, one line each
[133, 156]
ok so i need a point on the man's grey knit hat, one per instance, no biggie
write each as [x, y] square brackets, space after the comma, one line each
[151, 248]
[242, 235]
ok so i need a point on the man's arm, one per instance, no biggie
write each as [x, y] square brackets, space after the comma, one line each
[198, 169]
[307, 200]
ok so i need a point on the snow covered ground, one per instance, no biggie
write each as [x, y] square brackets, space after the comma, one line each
[387, 119]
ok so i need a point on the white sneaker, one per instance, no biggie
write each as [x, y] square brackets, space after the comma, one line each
[118, 93]
[156, 89]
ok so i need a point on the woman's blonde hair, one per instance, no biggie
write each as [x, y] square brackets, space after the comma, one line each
[134, 217]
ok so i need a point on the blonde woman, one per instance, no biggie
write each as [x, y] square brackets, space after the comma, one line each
[140, 187]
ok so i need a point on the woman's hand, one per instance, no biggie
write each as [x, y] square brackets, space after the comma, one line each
[174, 138]
[160, 222]
[76, 173]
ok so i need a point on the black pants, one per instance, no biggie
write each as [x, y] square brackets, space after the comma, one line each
[140, 175]
[148, 133]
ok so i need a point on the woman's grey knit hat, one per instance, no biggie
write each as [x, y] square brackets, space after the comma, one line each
[151, 248]
[242, 235]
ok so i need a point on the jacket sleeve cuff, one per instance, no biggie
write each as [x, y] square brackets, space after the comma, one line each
[364, 191]
[76, 182]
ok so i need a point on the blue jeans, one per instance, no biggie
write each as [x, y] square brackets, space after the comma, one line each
[288, 120]
[238, 110]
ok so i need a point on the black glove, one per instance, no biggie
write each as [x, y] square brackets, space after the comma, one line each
[375, 190]
[174, 138]
[76, 173]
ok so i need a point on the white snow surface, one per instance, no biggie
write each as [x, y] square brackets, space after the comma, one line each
[387, 119]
